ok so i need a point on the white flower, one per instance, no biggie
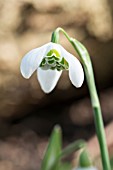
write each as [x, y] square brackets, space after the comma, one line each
[50, 60]
[86, 168]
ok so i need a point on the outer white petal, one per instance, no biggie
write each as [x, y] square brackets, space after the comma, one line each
[31, 60]
[76, 73]
[48, 79]
[53, 46]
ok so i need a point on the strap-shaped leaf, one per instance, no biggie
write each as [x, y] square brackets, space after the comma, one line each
[75, 146]
[53, 150]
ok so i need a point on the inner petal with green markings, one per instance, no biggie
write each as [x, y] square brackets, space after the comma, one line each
[53, 61]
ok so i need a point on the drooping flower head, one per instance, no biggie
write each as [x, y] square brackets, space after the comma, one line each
[50, 60]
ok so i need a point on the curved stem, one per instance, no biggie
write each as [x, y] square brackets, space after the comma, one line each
[55, 35]
[85, 58]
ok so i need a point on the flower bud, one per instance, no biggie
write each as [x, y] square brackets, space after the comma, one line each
[85, 162]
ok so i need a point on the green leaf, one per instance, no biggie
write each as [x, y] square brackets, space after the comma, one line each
[51, 160]
[75, 146]
[111, 162]
[64, 166]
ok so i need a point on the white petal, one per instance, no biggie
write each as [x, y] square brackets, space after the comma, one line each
[76, 73]
[48, 79]
[53, 46]
[31, 60]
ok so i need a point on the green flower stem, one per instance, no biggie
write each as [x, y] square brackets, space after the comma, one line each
[95, 103]
[85, 59]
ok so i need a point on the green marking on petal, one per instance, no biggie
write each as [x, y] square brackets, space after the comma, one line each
[64, 64]
[56, 58]
[58, 69]
[53, 68]
[53, 57]
[43, 63]
[53, 61]
[53, 51]
[49, 58]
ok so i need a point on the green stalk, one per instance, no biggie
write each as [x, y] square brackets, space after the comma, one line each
[98, 121]
[85, 59]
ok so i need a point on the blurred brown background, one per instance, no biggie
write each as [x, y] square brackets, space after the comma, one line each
[27, 115]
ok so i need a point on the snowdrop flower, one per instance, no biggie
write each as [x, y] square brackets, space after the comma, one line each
[50, 60]
[86, 168]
